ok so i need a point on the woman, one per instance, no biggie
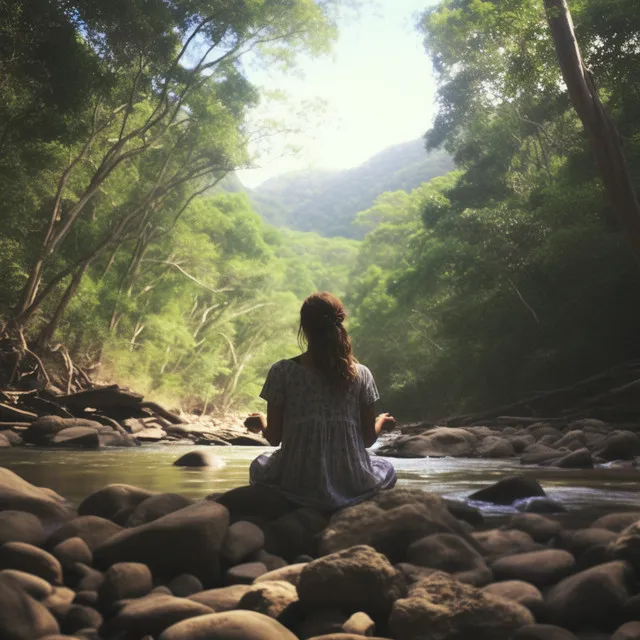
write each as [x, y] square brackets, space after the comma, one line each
[320, 407]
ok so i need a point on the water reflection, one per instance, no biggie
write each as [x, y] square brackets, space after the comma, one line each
[75, 474]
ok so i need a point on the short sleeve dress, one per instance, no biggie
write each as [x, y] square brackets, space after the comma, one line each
[322, 462]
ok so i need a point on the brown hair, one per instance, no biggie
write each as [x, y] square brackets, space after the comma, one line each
[321, 322]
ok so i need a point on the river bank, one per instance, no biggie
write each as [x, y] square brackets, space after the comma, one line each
[127, 563]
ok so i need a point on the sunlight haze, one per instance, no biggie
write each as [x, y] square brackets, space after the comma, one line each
[377, 86]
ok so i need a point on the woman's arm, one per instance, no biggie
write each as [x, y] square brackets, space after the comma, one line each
[372, 425]
[270, 427]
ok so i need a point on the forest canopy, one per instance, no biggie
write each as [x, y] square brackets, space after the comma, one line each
[127, 247]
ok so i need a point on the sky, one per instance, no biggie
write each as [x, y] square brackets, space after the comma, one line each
[377, 88]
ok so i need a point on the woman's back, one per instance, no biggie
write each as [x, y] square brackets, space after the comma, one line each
[323, 462]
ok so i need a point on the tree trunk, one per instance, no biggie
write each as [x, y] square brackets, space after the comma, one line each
[598, 125]
[46, 335]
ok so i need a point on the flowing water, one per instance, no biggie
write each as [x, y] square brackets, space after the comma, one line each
[75, 474]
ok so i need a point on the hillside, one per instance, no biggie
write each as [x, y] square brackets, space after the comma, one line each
[327, 201]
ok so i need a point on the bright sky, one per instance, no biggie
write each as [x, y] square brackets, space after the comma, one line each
[377, 86]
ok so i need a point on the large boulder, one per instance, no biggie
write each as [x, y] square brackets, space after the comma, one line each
[539, 453]
[620, 445]
[254, 501]
[76, 438]
[19, 526]
[155, 613]
[155, 507]
[594, 598]
[356, 579]
[507, 490]
[452, 554]
[17, 494]
[35, 586]
[440, 442]
[94, 530]
[231, 625]
[579, 541]
[32, 559]
[125, 580]
[43, 430]
[295, 533]
[72, 550]
[495, 543]
[540, 568]
[578, 459]
[519, 591]
[495, 447]
[199, 458]
[109, 500]
[618, 521]
[290, 573]
[441, 608]
[21, 616]
[627, 546]
[390, 522]
[188, 540]
[242, 539]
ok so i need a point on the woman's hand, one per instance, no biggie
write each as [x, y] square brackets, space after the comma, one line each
[385, 422]
[256, 422]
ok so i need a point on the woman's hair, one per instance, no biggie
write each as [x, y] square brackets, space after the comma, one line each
[321, 323]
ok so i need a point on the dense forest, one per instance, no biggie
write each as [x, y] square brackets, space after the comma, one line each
[125, 247]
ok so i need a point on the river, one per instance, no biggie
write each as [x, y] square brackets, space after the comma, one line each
[75, 474]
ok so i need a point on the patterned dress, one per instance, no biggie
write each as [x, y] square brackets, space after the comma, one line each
[322, 462]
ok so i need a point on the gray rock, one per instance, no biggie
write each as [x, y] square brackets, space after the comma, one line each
[125, 580]
[93, 530]
[543, 632]
[155, 507]
[111, 499]
[185, 585]
[540, 568]
[72, 550]
[616, 522]
[508, 490]
[628, 631]
[540, 528]
[244, 573]
[199, 458]
[243, 538]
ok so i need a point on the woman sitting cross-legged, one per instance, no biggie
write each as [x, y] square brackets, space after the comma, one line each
[320, 408]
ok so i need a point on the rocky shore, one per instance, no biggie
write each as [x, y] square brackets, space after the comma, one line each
[130, 564]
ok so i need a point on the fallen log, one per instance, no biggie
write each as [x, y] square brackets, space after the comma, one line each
[162, 412]
[8, 413]
[102, 398]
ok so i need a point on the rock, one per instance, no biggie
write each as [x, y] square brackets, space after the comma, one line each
[543, 632]
[578, 459]
[93, 530]
[413, 573]
[199, 458]
[495, 447]
[574, 439]
[154, 614]
[452, 554]
[31, 559]
[17, 494]
[465, 512]
[358, 579]
[155, 507]
[627, 546]
[620, 445]
[541, 429]
[508, 490]
[521, 442]
[451, 610]
[249, 441]
[153, 434]
[19, 526]
[540, 453]
[437, 443]
[540, 568]
[540, 529]
[86, 598]
[125, 580]
[579, 541]
[295, 533]
[390, 522]
[21, 616]
[496, 543]
[44, 429]
[270, 598]
[242, 539]
[290, 573]
[35, 586]
[343, 636]
[72, 550]
[628, 631]
[320, 622]
[86, 578]
[13, 438]
[185, 541]
[4, 441]
[223, 599]
[80, 617]
[594, 598]
[231, 625]
[255, 501]
[244, 573]
[272, 562]
[359, 624]
[107, 501]
[185, 585]
[539, 505]
[617, 522]
[76, 437]
[60, 601]
[519, 591]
